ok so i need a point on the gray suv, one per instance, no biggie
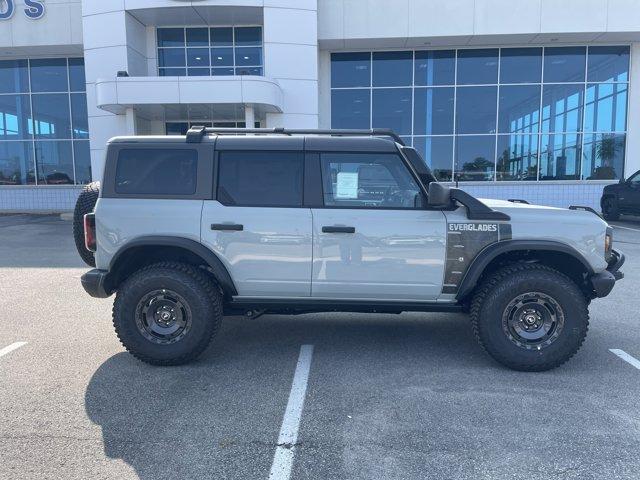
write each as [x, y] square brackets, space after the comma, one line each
[222, 222]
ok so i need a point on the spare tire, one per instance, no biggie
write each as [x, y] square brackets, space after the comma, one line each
[85, 204]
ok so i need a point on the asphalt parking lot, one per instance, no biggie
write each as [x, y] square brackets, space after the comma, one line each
[408, 396]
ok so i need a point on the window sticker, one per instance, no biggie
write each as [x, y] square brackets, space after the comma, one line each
[347, 185]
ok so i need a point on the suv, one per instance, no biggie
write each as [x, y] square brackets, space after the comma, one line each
[621, 198]
[188, 229]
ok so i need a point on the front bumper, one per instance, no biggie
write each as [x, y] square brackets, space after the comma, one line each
[603, 282]
[96, 283]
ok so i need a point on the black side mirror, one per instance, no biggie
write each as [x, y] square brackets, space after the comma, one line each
[439, 195]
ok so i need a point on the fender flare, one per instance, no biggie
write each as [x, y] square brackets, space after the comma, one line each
[218, 268]
[489, 253]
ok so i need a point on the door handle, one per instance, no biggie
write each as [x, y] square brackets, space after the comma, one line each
[230, 227]
[337, 229]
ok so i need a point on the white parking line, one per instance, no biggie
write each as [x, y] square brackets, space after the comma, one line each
[283, 458]
[626, 357]
[11, 348]
[627, 228]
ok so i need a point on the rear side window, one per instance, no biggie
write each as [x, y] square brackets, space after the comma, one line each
[152, 171]
[260, 179]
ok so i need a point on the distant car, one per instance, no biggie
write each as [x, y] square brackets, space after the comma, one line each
[622, 198]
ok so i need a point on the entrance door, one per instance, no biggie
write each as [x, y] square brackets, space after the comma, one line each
[372, 239]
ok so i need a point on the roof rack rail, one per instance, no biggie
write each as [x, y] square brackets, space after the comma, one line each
[195, 133]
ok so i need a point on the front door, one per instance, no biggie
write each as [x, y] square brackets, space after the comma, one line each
[257, 225]
[372, 239]
[629, 197]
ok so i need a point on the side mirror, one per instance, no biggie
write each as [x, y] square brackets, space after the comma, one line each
[622, 181]
[439, 195]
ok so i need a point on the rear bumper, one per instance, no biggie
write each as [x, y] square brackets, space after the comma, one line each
[603, 282]
[96, 283]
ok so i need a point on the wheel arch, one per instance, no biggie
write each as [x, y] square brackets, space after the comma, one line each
[151, 249]
[557, 255]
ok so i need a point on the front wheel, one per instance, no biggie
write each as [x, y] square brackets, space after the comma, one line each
[167, 313]
[530, 317]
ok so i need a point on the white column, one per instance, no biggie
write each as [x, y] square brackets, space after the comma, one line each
[632, 157]
[249, 116]
[130, 116]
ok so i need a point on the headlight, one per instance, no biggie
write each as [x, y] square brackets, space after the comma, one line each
[608, 243]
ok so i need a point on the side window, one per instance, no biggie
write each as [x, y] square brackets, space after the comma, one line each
[260, 179]
[152, 171]
[635, 180]
[367, 180]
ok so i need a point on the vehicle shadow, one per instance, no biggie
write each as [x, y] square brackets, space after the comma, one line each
[220, 416]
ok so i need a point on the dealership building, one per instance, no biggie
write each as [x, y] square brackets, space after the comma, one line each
[530, 99]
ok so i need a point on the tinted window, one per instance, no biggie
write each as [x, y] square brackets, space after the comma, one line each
[392, 69]
[171, 37]
[260, 179]
[350, 108]
[564, 64]
[562, 107]
[351, 69]
[476, 110]
[438, 154]
[520, 65]
[367, 180]
[478, 66]
[519, 109]
[14, 77]
[517, 157]
[433, 111]
[392, 109]
[603, 156]
[606, 107]
[560, 157]
[608, 64]
[475, 157]
[435, 67]
[54, 163]
[156, 172]
[49, 75]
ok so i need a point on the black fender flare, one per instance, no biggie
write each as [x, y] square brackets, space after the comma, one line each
[218, 268]
[492, 251]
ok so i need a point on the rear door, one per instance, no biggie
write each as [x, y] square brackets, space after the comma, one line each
[372, 239]
[257, 223]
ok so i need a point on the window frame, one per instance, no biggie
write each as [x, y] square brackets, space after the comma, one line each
[204, 172]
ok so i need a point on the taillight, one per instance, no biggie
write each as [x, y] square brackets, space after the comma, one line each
[90, 231]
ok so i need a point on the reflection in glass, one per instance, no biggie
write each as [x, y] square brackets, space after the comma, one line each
[51, 118]
[170, 37]
[350, 108]
[172, 72]
[16, 163]
[82, 161]
[437, 153]
[171, 57]
[77, 80]
[14, 76]
[79, 115]
[564, 64]
[560, 157]
[249, 71]
[476, 109]
[478, 66]
[433, 111]
[519, 109]
[54, 163]
[49, 75]
[520, 65]
[222, 57]
[603, 156]
[608, 64]
[435, 67]
[197, 37]
[15, 116]
[475, 157]
[517, 157]
[606, 107]
[392, 69]
[248, 56]
[392, 109]
[351, 69]
[198, 57]
[222, 37]
[176, 128]
[221, 71]
[562, 107]
[248, 36]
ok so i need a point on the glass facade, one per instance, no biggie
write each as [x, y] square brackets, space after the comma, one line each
[181, 128]
[44, 134]
[505, 114]
[202, 51]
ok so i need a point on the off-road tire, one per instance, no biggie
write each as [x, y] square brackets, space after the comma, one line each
[494, 296]
[85, 204]
[610, 210]
[194, 286]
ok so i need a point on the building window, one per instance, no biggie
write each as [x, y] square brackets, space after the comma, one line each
[202, 51]
[44, 132]
[181, 127]
[504, 114]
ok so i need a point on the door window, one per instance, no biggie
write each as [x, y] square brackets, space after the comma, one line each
[260, 179]
[355, 180]
[634, 181]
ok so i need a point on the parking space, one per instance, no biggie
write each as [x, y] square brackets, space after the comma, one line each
[389, 396]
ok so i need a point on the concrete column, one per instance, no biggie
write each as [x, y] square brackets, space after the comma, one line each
[130, 116]
[632, 157]
[249, 116]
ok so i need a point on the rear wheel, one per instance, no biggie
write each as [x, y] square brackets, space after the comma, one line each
[167, 313]
[85, 204]
[610, 209]
[530, 317]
